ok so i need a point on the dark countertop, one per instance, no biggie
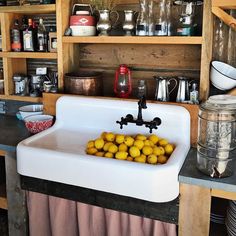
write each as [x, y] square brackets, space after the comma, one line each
[12, 131]
[189, 174]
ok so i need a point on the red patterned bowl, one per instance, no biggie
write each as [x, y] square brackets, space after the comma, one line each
[38, 123]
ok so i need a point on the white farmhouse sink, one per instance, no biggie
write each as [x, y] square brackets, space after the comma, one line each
[58, 154]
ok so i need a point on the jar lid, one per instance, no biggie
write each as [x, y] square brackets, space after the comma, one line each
[220, 103]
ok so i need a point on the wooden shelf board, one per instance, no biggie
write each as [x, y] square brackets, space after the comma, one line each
[226, 4]
[3, 198]
[43, 55]
[134, 39]
[29, 9]
[21, 98]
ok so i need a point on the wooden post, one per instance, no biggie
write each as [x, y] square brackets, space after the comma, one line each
[207, 44]
[17, 212]
[194, 211]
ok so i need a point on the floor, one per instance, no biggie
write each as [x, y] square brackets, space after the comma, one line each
[3, 223]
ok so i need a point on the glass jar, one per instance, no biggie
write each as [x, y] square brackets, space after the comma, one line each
[217, 136]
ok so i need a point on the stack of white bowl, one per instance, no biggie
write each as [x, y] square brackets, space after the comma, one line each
[29, 110]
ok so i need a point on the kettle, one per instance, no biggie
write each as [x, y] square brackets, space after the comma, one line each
[162, 88]
[183, 90]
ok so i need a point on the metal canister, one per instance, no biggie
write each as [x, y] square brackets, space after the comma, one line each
[21, 85]
[217, 136]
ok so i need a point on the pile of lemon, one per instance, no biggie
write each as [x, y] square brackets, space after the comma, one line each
[140, 148]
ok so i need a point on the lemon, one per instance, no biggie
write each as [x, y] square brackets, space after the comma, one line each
[120, 138]
[99, 154]
[106, 146]
[169, 149]
[123, 147]
[152, 159]
[109, 155]
[163, 142]
[141, 159]
[139, 144]
[134, 151]
[147, 150]
[103, 135]
[154, 138]
[148, 143]
[162, 150]
[91, 151]
[99, 143]
[129, 158]
[129, 141]
[113, 148]
[140, 137]
[162, 159]
[110, 137]
[90, 144]
[157, 151]
[121, 155]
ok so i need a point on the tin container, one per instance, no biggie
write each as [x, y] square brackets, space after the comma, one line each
[217, 136]
[84, 83]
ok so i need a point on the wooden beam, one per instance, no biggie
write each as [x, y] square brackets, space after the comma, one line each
[194, 211]
[207, 44]
[232, 92]
[226, 4]
[225, 17]
[223, 194]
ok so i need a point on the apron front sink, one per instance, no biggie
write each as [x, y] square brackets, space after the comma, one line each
[58, 154]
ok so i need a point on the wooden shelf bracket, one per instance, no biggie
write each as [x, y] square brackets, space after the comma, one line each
[218, 10]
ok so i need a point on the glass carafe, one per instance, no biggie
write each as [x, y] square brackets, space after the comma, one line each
[161, 22]
[142, 20]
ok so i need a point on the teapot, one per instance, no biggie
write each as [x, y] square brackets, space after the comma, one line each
[162, 88]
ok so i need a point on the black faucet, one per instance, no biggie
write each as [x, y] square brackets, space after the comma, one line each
[139, 121]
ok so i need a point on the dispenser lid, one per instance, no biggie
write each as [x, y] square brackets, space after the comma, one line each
[220, 103]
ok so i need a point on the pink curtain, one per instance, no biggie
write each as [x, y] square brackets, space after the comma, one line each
[52, 216]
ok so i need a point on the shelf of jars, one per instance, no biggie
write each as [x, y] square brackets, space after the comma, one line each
[34, 55]
[197, 40]
[29, 9]
[21, 98]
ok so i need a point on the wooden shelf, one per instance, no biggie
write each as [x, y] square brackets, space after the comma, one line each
[226, 4]
[3, 198]
[43, 55]
[30, 9]
[21, 98]
[134, 40]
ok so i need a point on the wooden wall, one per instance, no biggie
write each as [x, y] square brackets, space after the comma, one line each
[145, 61]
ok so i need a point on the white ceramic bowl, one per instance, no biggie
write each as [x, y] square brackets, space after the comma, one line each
[80, 30]
[30, 110]
[223, 76]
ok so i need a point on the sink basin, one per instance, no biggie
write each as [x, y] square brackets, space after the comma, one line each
[58, 154]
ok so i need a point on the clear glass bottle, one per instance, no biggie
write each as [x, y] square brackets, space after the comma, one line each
[41, 37]
[194, 94]
[141, 89]
[142, 20]
[16, 45]
[161, 22]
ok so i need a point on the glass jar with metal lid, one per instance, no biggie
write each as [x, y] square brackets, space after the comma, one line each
[217, 135]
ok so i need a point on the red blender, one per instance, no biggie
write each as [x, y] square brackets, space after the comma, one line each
[122, 84]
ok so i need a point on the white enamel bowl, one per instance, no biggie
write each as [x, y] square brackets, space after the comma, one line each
[223, 76]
